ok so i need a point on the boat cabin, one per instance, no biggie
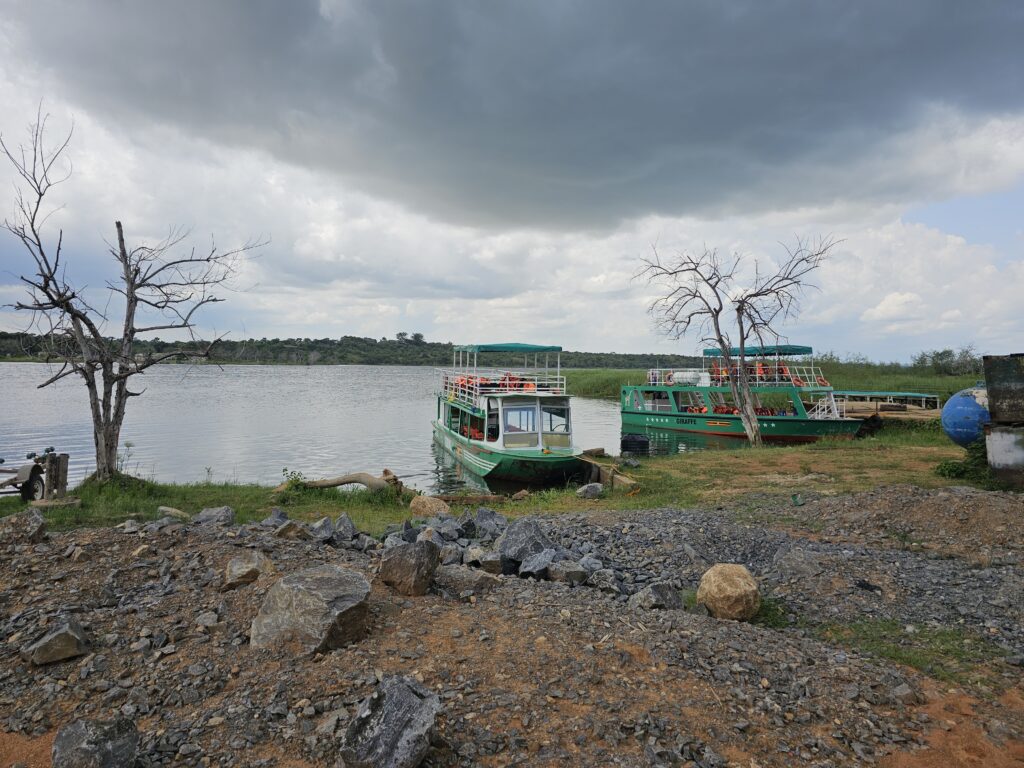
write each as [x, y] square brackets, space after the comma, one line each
[518, 408]
[784, 382]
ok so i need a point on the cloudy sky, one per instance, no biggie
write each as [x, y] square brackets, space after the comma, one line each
[495, 171]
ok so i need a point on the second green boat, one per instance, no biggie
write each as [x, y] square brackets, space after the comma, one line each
[792, 399]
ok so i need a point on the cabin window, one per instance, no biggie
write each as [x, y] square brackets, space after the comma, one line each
[454, 421]
[658, 400]
[473, 427]
[554, 423]
[554, 418]
[520, 426]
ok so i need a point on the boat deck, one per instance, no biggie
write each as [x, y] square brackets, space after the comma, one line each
[759, 374]
[467, 386]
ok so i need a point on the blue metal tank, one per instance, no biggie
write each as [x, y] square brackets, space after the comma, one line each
[965, 415]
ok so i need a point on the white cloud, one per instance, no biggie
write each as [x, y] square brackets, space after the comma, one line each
[343, 261]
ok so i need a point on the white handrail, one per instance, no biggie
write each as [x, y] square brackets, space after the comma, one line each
[760, 374]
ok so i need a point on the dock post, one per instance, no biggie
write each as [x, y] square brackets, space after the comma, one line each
[60, 485]
[49, 473]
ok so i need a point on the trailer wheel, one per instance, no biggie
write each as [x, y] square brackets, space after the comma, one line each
[34, 488]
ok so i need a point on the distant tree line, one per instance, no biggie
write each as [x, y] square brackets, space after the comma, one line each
[404, 349]
[949, 363]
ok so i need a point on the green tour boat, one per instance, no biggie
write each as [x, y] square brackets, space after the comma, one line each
[793, 400]
[504, 423]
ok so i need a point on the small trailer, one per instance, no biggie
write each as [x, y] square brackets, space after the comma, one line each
[32, 479]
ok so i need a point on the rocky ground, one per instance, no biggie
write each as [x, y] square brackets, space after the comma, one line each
[526, 671]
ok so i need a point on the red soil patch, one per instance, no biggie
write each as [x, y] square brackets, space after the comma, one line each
[965, 744]
[35, 753]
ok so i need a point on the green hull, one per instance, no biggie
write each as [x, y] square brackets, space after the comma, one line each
[779, 429]
[493, 461]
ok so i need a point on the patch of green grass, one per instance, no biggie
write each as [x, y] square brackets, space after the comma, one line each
[110, 503]
[772, 614]
[689, 599]
[973, 468]
[601, 382]
[950, 654]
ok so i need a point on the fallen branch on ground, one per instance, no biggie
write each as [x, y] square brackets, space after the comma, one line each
[387, 480]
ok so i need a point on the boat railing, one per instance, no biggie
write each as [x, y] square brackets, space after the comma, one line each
[827, 408]
[759, 373]
[468, 386]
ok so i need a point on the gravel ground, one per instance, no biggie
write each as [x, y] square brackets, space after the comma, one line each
[531, 673]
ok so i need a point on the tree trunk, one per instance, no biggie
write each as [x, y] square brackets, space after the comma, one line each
[747, 413]
[741, 393]
[106, 450]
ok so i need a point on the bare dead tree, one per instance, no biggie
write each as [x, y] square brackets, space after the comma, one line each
[716, 297]
[160, 291]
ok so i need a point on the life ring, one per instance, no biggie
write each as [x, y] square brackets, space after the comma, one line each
[823, 381]
[798, 382]
[669, 379]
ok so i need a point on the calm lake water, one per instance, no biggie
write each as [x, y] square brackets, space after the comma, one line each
[247, 423]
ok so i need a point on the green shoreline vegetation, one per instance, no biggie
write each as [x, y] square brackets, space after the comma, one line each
[902, 452]
[842, 375]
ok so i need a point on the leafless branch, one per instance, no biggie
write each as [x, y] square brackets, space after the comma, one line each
[162, 286]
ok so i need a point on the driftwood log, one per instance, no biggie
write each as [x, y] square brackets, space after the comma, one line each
[387, 479]
[452, 498]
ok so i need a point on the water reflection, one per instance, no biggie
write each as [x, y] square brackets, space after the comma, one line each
[247, 423]
[667, 442]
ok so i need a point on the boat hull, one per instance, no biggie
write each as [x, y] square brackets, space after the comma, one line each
[492, 462]
[774, 429]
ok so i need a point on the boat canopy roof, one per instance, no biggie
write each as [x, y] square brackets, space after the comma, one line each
[769, 351]
[510, 347]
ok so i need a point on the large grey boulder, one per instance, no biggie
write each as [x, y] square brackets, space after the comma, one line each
[317, 609]
[409, 568]
[322, 529]
[431, 535]
[521, 539]
[590, 491]
[467, 523]
[93, 744]
[67, 641]
[246, 568]
[485, 559]
[657, 595]
[276, 519]
[536, 566]
[567, 572]
[460, 580]
[215, 516]
[451, 554]
[392, 728]
[344, 528]
[28, 526]
[488, 524]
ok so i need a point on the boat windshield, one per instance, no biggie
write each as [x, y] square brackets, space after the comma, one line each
[520, 425]
[555, 425]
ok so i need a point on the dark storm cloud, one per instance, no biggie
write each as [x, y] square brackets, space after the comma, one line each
[549, 114]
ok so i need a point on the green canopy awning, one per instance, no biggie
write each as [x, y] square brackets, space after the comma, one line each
[511, 347]
[769, 351]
